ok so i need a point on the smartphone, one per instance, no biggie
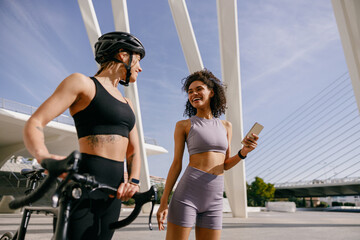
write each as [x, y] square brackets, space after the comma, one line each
[256, 128]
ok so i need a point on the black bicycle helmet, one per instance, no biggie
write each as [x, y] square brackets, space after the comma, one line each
[109, 44]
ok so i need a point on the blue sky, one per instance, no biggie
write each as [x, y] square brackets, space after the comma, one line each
[289, 51]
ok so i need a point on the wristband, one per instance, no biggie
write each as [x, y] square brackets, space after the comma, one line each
[241, 156]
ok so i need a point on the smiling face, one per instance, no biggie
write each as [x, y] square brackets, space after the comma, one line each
[205, 92]
[199, 94]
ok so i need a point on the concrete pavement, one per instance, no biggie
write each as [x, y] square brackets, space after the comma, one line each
[309, 225]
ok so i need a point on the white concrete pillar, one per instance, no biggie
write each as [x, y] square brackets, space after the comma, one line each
[347, 14]
[90, 20]
[235, 181]
[121, 21]
[186, 35]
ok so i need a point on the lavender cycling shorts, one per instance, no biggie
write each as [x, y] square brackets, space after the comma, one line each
[197, 198]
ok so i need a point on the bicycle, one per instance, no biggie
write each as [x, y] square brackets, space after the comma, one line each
[33, 176]
[69, 190]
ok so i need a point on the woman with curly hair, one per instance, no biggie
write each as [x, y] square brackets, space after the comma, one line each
[198, 198]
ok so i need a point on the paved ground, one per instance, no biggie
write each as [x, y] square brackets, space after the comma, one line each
[259, 225]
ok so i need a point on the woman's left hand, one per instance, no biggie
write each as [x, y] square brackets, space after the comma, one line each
[250, 144]
[126, 191]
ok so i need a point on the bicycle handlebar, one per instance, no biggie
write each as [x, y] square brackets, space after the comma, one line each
[70, 164]
[140, 200]
[57, 167]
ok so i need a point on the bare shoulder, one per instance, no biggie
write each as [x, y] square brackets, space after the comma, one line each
[183, 124]
[77, 79]
[182, 128]
[226, 124]
[76, 82]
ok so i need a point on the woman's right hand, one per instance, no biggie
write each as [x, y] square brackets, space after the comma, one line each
[161, 216]
[53, 156]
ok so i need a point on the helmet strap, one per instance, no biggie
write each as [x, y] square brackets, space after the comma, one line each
[128, 69]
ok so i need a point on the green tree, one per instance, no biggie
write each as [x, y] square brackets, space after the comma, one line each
[160, 191]
[259, 192]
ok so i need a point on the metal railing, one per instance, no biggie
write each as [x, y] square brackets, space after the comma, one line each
[29, 110]
[319, 182]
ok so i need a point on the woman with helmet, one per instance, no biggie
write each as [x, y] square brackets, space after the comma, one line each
[198, 198]
[105, 125]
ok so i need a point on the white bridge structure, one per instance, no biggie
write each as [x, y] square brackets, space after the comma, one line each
[319, 188]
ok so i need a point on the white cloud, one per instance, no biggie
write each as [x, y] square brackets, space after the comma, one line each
[278, 36]
[29, 45]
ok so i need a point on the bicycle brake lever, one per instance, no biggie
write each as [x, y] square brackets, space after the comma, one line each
[153, 201]
[151, 211]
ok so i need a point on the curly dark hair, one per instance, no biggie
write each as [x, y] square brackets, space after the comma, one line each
[217, 102]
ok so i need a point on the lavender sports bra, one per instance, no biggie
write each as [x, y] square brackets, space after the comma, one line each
[206, 135]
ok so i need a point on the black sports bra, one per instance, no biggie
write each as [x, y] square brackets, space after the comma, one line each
[104, 115]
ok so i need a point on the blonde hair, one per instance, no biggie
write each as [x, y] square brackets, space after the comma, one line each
[104, 66]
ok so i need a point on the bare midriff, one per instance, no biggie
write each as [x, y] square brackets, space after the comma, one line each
[108, 146]
[210, 162]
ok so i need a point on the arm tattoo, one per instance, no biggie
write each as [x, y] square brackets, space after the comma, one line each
[129, 163]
